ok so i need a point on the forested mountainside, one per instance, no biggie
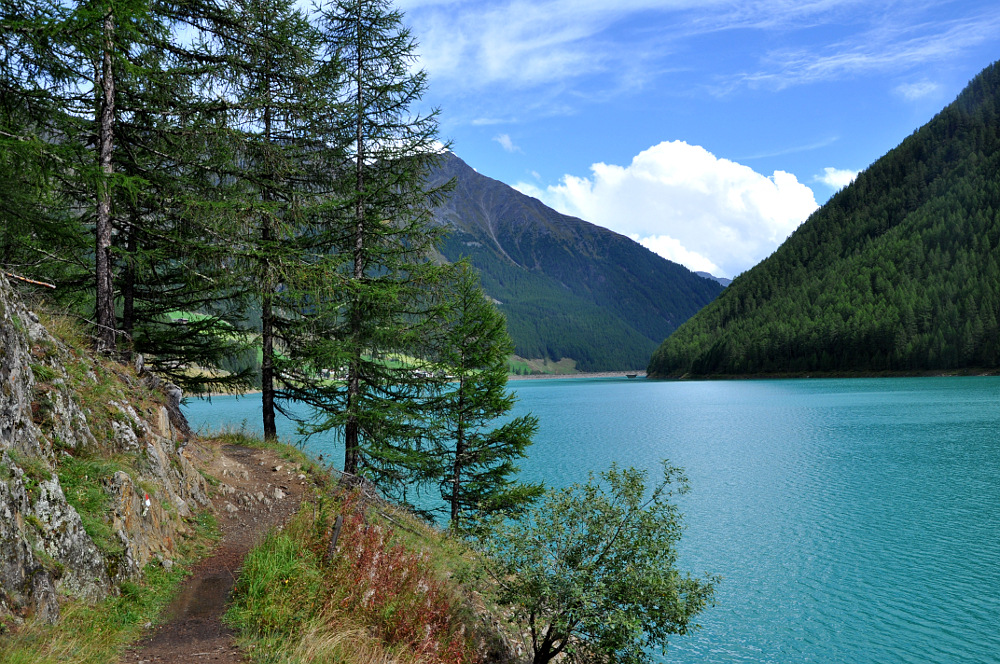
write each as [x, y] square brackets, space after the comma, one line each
[568, 288]
[899, 271]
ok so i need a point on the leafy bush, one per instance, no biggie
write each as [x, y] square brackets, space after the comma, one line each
[591, 570]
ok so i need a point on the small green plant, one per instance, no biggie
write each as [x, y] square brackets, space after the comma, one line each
[53, 566]
[43, 373]
[35, 472]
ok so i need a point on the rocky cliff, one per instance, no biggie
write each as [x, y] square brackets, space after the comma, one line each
[94, 480]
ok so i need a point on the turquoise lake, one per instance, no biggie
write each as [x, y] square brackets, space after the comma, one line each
[853, 520]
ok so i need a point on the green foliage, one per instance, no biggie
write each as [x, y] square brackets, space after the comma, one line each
[899, 272]
[35, 471]
[476, 464]
[591, 570]
[81, 479]
[380, 304]
[43, 373]
[279, 587]
[97, 633]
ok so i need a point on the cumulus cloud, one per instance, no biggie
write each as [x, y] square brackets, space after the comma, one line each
[506, 143]
[837, 178]
[688, 205]
[673, 250]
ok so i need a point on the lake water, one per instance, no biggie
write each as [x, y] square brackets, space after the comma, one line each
[853, 520]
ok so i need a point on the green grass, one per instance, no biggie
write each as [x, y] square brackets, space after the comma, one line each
[519, 366]
[387, 595]
[80, 477]
[35, 471]
[43, 373]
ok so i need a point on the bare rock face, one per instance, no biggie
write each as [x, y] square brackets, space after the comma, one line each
[138, 473]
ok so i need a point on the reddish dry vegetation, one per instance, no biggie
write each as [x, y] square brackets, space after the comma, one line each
[394, 590]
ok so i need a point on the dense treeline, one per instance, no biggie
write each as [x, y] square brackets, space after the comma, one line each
[568, 288]
[236, 191]
[899, 271]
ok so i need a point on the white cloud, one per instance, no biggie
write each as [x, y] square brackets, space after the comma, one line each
[673, 250]
[485, 122]
[469, 45]
[914, 91]
[529, 189]
[522, 44]
[836, 178]
[688, 205]
[506, 143]
[884, 48]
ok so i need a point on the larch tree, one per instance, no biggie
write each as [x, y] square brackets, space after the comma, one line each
[270, 51]
[176, 286]
[380, 307]
[478, 462]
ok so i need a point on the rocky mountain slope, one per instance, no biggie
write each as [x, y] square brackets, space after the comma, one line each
[94, 482]
[568, 288]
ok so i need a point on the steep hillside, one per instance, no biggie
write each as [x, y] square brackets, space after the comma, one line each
[568, 288]
[94, 480]
[900, 271]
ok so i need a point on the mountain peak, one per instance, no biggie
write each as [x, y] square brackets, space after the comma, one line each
[570, 289]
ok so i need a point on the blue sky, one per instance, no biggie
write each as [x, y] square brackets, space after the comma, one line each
[705, 129]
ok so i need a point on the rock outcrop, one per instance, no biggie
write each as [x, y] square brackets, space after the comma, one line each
[94, 480]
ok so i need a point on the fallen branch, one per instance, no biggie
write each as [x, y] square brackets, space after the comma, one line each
[30, 281]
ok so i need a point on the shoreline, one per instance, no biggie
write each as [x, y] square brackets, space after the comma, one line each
[689, 378]
[592, 374]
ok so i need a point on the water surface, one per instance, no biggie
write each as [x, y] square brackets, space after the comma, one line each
[853, 520]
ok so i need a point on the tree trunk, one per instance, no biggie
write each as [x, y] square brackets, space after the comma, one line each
[266, 309]
[456, 477]
[267, 367]
[128, 295]
[105, 307]
[352, 427]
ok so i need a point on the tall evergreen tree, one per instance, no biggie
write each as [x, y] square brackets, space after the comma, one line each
[137, 170]
[477, 463]
[378, 312]
[268, 85]
[42, 233]
[176, 284]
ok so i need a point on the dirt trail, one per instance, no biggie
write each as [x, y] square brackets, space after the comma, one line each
[253, 498]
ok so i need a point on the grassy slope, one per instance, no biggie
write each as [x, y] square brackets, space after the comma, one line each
[394, 591]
